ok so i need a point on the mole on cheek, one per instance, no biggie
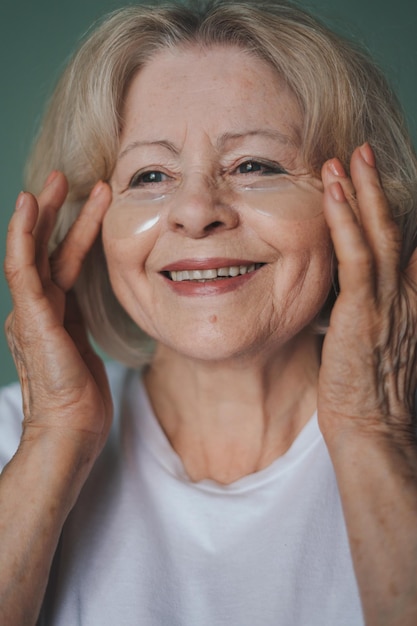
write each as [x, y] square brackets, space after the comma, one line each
[213, 319]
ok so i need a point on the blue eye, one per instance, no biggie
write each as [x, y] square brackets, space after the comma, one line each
[259, 167]
[147, 178]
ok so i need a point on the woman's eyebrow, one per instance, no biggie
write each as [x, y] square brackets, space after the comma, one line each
[221, 143]
[270, 133]
[140, 144]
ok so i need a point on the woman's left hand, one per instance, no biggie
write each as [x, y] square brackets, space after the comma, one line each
[366, 390]
[368, 375]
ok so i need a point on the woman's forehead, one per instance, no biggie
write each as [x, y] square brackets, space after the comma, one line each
[223, 90]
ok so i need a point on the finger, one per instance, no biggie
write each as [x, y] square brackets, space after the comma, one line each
[68, 258]
[411, 269]
[355, 262]
[50, 200]
[381, 232]
[19, 264]
[74, 324]
[333, 171]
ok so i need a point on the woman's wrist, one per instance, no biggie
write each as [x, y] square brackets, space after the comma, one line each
[38, 489]
[60, 459]
[343, 431]
[376, 471]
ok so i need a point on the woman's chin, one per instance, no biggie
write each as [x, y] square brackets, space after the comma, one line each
[217, 346]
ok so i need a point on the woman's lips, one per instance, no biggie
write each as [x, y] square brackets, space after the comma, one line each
[209, 276]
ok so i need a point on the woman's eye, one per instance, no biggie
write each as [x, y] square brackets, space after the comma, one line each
[257, 167]
[147, 178]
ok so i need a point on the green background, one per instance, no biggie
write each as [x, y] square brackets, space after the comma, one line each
[36, 36]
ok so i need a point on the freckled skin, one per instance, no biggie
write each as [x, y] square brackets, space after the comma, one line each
[223, 91]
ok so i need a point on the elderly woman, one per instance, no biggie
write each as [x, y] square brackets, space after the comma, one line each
[224, 188]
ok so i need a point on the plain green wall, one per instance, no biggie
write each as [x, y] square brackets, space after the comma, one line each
[36, 36]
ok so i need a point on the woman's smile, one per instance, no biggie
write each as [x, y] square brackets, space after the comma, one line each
[209, 277]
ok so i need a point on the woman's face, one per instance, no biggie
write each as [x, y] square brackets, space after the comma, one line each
[215, 241]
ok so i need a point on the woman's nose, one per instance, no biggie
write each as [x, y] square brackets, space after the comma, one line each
[200, 208]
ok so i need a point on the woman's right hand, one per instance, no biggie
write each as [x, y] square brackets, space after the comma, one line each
[64, 384]
[66, 399]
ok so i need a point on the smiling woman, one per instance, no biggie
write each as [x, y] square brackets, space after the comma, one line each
[200, 194]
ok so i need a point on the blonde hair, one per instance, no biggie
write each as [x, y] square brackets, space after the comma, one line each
[343, 97]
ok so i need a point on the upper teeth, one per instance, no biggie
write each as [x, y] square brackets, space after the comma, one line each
[222, 272]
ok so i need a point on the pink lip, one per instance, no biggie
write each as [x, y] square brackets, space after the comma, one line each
[209, 288]
[205, 264]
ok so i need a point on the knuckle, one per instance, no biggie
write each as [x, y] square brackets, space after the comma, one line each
[11, 270]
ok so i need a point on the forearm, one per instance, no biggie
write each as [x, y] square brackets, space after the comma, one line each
[37, 490]
[377, 479]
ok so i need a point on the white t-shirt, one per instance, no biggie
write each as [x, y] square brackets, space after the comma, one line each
[145, 546]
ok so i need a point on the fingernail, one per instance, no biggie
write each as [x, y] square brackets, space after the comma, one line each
[337, 192]
[337, 168]
[20, 200]
[51, 177]
[367, 154]
[97, 189]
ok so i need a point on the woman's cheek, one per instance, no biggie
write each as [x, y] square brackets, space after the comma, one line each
[131, 218]
[130, 230]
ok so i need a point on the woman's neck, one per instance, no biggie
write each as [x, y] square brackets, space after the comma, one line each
[229, 419]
